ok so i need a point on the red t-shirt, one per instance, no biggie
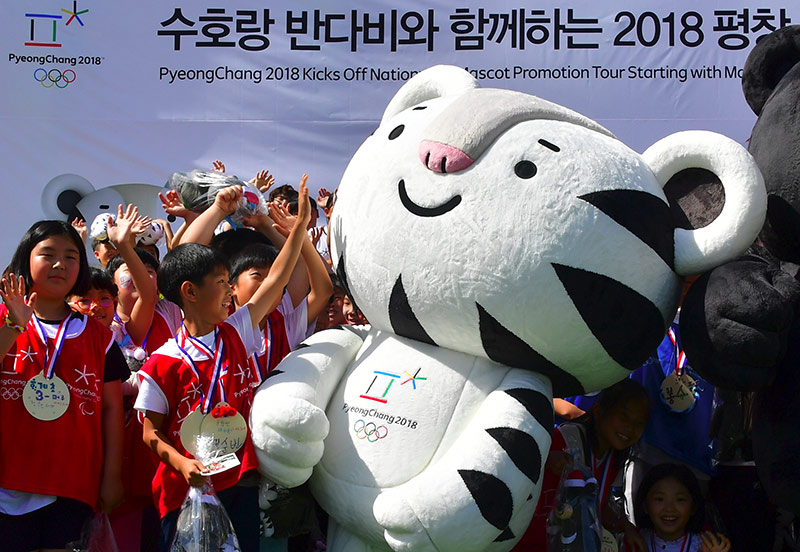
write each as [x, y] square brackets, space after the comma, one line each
[62, 457]
[175, 379]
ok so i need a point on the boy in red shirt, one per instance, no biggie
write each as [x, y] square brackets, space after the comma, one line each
[207, 364]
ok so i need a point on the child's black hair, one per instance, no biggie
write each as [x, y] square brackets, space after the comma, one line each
[686, 478]
[337, 283]
[146, 257]
[619, 393]
[252, 256]
[189, 262]
[20, 264]
[286, 192]
[100, 279]
[230, 243]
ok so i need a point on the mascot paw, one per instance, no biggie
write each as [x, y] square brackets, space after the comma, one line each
[287, 433]
[402, 529]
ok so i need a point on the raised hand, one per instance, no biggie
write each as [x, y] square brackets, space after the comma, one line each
[121, 230]
[12, 292]
[141, 225]
[715, 543]
[80, 227]
[303, 205]
[172, 205]
[284, 220]
[219, 166]
[263, 181]
[228, 199]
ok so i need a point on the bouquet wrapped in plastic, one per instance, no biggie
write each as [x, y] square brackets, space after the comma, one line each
[203, 524]
[197, 190]
[574, 525]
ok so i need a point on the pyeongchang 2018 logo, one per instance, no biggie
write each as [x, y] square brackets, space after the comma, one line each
[42, 45]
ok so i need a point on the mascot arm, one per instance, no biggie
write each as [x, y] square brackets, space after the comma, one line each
[480, 494]
[735, 322]
[287, 419]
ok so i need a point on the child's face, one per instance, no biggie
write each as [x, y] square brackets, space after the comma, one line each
[669, 505]
[351, 314]
[213, 296]
[128, 294]
[97, 303]
[247, 283]
[623, 424]
[54, 265]
[335, 308]
[104, 252]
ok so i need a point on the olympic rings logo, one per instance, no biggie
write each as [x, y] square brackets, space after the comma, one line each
[369, 431]
[10, 394]
[54, 77]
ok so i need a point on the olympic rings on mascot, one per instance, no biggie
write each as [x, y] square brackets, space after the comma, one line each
[54, 77]
[369, 431]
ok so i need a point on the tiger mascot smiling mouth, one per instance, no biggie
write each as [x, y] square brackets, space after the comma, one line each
[505, 250]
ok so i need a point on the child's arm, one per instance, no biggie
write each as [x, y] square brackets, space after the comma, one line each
[269, 293]
[191, 470]
[119, 234]
[20, 310]
[112, 428]
[202, 229]
[320, 284]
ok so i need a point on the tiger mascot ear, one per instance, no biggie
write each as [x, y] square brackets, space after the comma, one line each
[716, 194]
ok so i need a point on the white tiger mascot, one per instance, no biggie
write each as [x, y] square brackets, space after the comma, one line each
[505, 250]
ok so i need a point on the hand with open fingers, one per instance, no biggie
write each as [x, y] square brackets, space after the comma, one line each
[123, 228]
[192, 471]
[322, 198]
[263, 181]
[12, 292]
[141, 225]
[219, 166]
[316, 234]
[715, 543]
[283, 220]
[80, 227]
[172, 204]
[228, 199]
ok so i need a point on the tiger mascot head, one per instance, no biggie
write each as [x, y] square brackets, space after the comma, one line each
[504, 226]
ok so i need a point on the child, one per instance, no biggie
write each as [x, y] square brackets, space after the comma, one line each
[669, 507]
[100, 301]
[352, 314]
[601, 440]
[205, 365]
[60, 396]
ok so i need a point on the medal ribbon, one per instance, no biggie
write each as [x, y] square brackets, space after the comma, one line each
[207, 399]
[49, 366]
[262, 373]
[604, 467]
[681, 354]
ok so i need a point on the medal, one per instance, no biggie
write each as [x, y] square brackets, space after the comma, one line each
[226, 426]
[45, 399]
[679, 389]
[46, 396]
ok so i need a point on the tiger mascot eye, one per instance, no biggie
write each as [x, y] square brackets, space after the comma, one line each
[505, 250]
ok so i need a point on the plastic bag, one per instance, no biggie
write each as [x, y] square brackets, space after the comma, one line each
[573, 524]
[197, 190]
[96, 536]
[203, 524]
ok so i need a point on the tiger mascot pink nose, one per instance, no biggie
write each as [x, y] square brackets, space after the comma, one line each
[441, 158]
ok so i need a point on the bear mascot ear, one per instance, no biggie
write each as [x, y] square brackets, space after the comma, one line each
[62, 194]
[774, 56]
[699, 170]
